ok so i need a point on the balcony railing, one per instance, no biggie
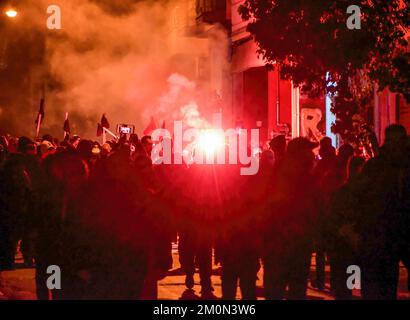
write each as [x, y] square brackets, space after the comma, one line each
[211, 11]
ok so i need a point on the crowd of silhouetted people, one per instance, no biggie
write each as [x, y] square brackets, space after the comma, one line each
[107, 217]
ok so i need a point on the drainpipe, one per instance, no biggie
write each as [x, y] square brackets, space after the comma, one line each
[278, 123]
[376, 113]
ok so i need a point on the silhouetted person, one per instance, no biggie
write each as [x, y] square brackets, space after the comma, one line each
[60, 237]
[405, 218]
[84, 150]
[324, 173]
[197, 226]
[117, 218]
[147, 143]
[383, 205]
[343, 239]
[288, 234]
[345, 153]
[159, 197]
[239, 235]
[74, 141]
[18, 181]
[278, 147]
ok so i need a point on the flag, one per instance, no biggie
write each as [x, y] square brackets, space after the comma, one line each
[100, 130]
[104, 122]
[151, 127]
[66, 127]
[41, 113]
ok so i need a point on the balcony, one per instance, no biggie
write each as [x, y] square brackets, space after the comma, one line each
[213, 11]
[239, 32]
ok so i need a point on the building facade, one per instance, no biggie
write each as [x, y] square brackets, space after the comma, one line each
[261, 98]
[205, 25]
[223, 59]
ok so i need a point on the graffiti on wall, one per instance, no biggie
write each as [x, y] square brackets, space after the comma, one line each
[310, 119]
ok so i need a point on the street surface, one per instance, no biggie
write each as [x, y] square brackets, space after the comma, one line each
[19, 284]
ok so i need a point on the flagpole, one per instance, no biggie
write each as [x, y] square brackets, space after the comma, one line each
[40, 116]
[65, 132]
[38, 125]
[105, 131]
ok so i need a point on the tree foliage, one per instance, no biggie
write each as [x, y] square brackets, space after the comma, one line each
[311, 44]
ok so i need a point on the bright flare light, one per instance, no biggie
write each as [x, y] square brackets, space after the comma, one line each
[210, 141]
[11, 13]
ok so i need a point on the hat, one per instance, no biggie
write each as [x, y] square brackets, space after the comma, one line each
[96, 149]
[300, 145]
[46, 146]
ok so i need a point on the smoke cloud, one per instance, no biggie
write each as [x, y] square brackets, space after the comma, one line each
[130, 60]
